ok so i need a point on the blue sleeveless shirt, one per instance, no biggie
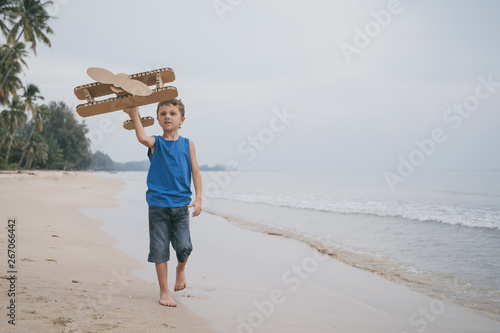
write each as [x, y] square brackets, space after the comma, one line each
[169, 175]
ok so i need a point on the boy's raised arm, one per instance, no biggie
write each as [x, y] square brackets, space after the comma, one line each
[148, 141]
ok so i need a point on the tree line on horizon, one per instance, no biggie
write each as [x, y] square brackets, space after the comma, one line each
[103, 162]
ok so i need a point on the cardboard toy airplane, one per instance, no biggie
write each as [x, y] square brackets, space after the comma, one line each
[130, 90]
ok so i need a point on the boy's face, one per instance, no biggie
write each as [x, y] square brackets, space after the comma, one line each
[169, 117]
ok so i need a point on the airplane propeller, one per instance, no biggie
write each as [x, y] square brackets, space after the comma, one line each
[120, 80]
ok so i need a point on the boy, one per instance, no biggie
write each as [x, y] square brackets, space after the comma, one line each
[173, 161]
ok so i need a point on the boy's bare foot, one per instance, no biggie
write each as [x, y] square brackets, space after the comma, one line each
[166, 300]
[180, 279]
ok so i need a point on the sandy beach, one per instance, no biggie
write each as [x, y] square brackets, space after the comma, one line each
[72, 277]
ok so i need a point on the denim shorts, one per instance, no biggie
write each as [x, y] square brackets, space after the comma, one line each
[169, 225]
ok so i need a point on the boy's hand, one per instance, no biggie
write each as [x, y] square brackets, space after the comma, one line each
[197, 207]
[130, 110]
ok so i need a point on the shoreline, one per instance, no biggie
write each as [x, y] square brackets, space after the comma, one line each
[383, 268]
[70, 277]
[269, 283]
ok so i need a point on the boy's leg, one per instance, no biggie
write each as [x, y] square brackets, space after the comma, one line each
[181, 242]
[180, 276]
[162, 273]
[159, 239]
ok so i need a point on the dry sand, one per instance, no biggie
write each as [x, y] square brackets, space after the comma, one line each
[70, 278]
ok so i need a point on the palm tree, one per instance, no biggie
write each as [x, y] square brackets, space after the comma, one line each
[31, 95]
[3, 131]
[4, 125]
[6, 7]
[38, 151]
[29, 18]
[38, 113]
[9, 81]
[12, 118]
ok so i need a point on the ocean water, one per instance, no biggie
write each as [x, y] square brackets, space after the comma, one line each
[437, 233]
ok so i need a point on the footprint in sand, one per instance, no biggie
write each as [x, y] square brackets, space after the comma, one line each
[62, 321]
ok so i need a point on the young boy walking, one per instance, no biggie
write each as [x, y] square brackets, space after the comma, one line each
[173, 162]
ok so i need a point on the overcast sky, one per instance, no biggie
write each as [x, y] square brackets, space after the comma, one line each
[309, 85]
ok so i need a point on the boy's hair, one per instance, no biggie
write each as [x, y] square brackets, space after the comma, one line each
[174, 102]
